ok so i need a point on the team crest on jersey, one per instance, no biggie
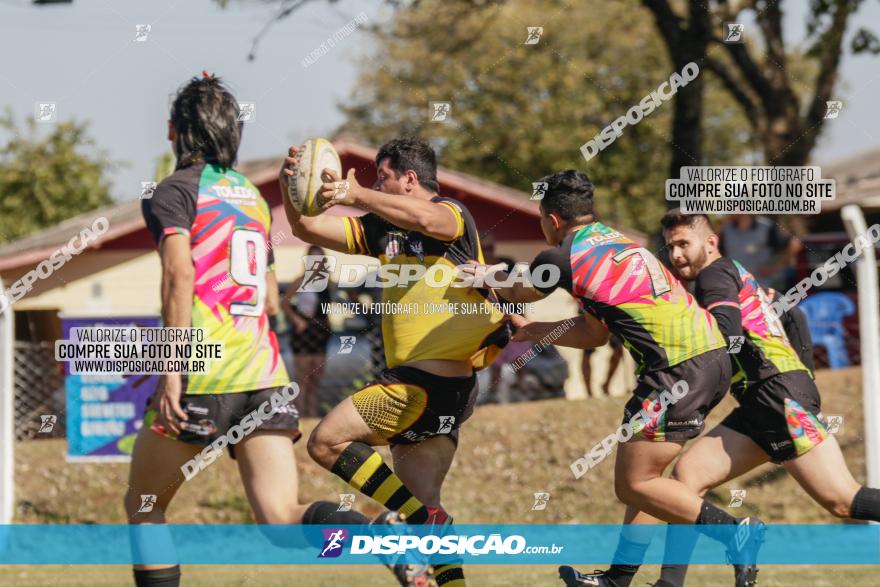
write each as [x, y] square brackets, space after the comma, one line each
[392, 247]
[418, 249]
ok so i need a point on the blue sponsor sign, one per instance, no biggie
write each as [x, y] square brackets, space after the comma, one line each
[104, 411]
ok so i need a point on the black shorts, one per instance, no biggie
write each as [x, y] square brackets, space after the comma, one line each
[781, 414]
[214, 415]
[406, 405]
[707, 377]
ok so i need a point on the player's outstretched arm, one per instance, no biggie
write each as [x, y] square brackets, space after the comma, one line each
[518, 293]
[324, 231]
[432, 219]
[503, 283]
[582, 332]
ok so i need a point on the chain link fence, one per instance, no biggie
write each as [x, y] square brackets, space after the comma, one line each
[330, 357]
[352, 357]
[39, 388]
[329, 362]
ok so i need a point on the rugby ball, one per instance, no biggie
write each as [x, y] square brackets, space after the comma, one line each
[304, 188]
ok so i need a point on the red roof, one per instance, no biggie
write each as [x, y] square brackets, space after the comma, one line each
[506, 213]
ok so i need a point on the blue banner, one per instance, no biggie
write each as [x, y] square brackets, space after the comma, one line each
[104, 411]
[796, 544]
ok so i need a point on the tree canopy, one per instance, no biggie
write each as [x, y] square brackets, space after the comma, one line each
[44, 180]
[782, 89]
[520, 111]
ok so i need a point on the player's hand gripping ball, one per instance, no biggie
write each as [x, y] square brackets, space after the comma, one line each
[304, 187]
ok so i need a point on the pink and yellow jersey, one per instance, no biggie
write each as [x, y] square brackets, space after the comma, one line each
[227, 222]
[726, 286]
[624, 285]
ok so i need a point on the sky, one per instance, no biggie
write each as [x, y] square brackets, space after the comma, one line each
[84, 58]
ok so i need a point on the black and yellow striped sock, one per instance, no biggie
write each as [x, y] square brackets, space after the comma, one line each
[449, 575]
[362, 468]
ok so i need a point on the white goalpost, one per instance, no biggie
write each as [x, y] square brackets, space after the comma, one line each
[869, 331]
[7, 412]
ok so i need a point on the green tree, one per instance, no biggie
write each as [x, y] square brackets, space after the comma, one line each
[164, 166]
[781, 89]
[521, 111]
[46, 180]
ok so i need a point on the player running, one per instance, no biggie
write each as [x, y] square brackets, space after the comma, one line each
[211, 226]
[779, 416]
[674, 342]
[794, 323]
[419, 402]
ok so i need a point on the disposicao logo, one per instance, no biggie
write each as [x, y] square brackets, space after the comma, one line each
[334, 540]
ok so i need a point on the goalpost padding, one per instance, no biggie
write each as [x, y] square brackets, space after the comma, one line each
[869, 331]
[7, 412]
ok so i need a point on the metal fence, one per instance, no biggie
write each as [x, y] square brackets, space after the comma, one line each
[330, 363]
[340, 360]
[39, 388]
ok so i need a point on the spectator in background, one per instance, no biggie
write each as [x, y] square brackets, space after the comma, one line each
[500, 386]
[762, 247]
[616, 355]
[309, 333]
[374, 320]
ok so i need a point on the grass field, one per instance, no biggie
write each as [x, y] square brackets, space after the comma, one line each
[485, 576]
[507, 454]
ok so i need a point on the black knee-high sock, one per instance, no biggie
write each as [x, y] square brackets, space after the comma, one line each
[672, 576]
[680, 543]
[362, 468]
[716, 523]
[324, 512]
[627, 559]
[866, 505]
[169, 577]
[319, 512]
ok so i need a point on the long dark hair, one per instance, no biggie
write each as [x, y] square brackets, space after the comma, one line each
[205, 116]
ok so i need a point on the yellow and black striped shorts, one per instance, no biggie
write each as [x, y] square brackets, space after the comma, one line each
[406, 405]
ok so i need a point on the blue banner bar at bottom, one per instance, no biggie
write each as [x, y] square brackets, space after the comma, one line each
[43, 544]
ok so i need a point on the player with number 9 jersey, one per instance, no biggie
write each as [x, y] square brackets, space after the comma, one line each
[227, 222]
[211, 228]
